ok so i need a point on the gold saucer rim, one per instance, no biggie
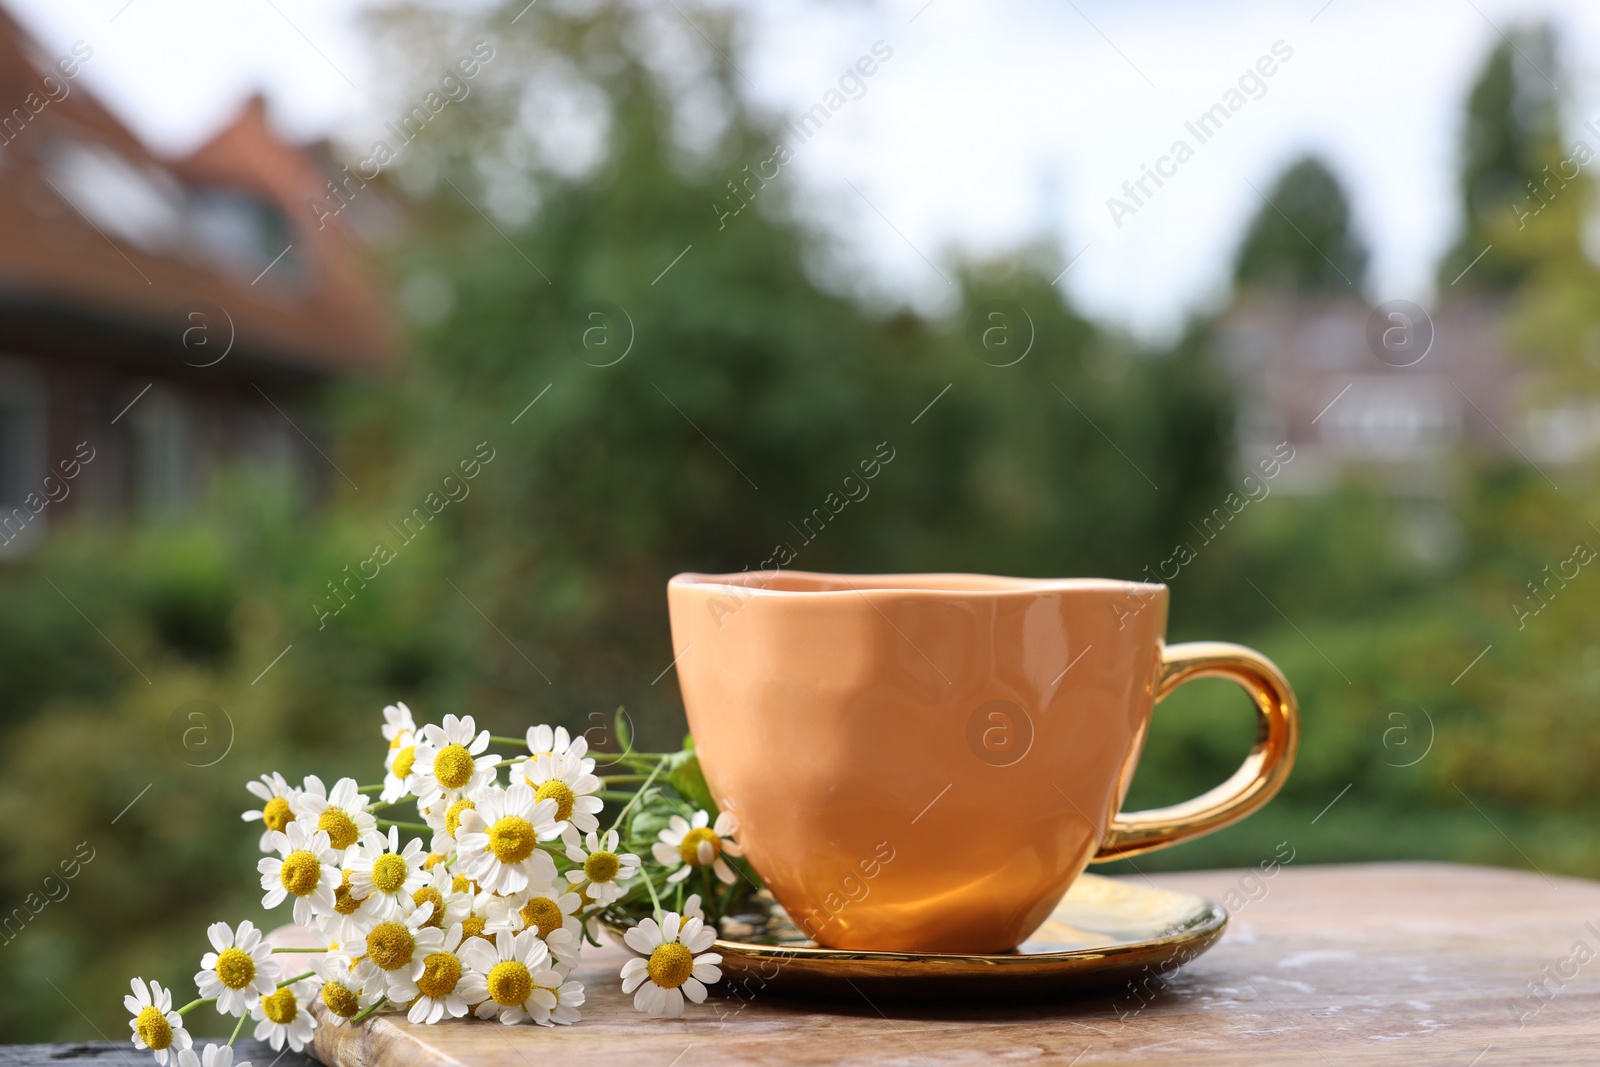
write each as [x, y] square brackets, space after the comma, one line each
[809, 969]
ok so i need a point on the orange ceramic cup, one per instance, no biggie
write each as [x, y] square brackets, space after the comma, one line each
[925, 762]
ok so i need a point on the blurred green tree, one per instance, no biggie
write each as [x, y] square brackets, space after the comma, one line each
[1302, 240]
[1510, 137]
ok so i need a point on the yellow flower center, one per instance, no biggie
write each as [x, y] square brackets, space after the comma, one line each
[342, 832]
[510, 983]
[440, 973]
[300, 873]
[432, 860]
[472, 926]
[671, 965]
[344, 902]
[561, 793]
[235, 968]
[404, 760]
[690, 849]
[601, 866]
[463, 884]
[277, 814]
[153, 1028]
[388, 872]
[452, 816]
[434, 897]
[340, 1000]
[453, 766]
[280, 1006]
[390, 945]
[512, 839]
[542, 914]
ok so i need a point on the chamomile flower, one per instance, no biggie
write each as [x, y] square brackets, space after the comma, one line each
[398, 948]
[341, 992]
[675, 966]
[154, 1024]
[498, 842]
[600, 868]
[302, 869]
[450, 761]
[349, 919]
[688, 845]
[443, 814]
[283, 1016]
[213, 1056]
[240, 970]
[563, 779]
[438, 986]
[341, 812]
[396, 721]
[476, 920]
[398, 764]
[546, 910]
[543, 741]
[450, 905]
[277, 805]
[568, 993]
[506, 971]
[691, 908]
[384, 874]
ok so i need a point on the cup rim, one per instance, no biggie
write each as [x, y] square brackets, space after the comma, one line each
[931, 583]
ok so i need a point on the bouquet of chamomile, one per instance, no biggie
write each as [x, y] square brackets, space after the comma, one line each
[480, 909]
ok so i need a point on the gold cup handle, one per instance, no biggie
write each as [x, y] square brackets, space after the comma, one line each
[1255, 782]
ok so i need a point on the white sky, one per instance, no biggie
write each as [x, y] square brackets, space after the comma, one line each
[992, 122]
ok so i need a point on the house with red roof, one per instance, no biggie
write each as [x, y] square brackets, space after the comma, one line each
[160, 317]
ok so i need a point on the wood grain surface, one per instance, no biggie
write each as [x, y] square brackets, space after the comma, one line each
[123, 1054]
[1380, 963]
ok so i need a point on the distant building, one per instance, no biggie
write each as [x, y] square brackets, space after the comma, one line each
[172, 314]
[1305, 371]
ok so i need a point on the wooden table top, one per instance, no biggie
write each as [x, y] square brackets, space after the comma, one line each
[1416, 963]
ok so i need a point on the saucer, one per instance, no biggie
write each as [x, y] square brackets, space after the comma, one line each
[1104, 932]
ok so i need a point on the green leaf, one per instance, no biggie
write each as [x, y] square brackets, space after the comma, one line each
[619, 722]
[684, 775]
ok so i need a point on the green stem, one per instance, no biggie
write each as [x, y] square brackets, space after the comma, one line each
[520, 742]
[237, 1028]
[297, 978]
[421, 828]
[193, 1004]
[635, 798]
[362, 1017]
[623, 777]
[371, 788]
[649, 883]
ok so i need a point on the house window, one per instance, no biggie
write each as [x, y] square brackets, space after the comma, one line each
[22, 433]
[163, 453]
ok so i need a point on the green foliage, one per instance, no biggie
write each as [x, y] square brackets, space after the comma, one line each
[1302, 239]
[1509, 138]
